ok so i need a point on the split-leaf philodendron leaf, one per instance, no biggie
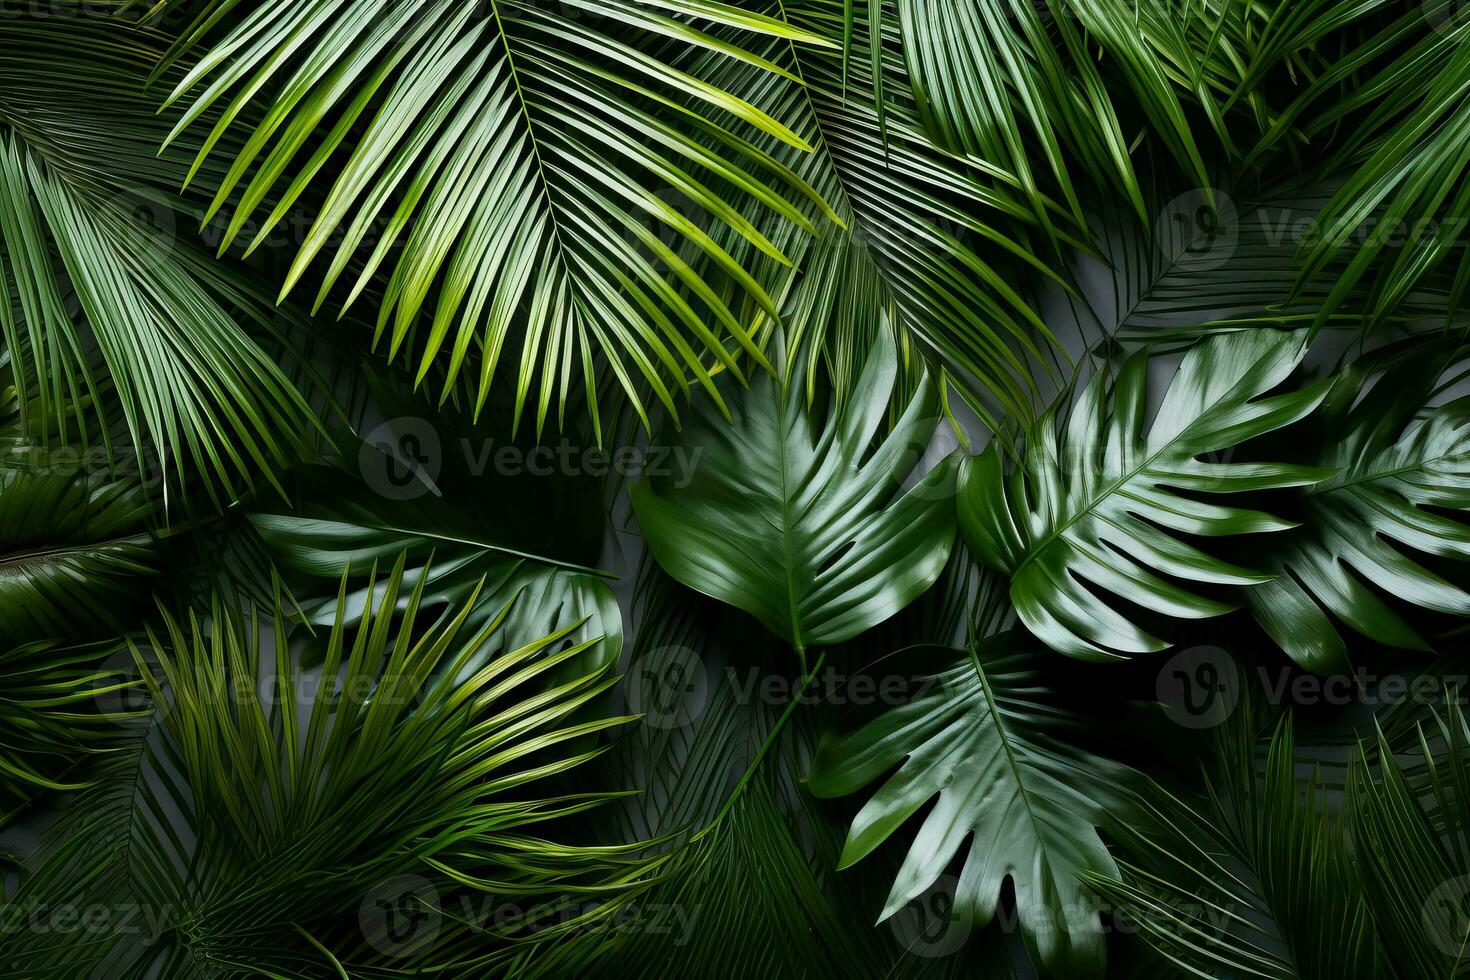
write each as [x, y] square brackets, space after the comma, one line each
[1402, 470]
[1098, 504]
[982, 743]
[826, 542]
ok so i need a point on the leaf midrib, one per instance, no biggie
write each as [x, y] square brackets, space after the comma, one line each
[1322, 489]
[1005, 744]
[1112, 487]
[788, 558]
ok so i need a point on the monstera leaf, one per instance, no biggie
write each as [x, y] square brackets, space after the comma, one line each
[982, 739]
[1092, 505]
[821, 545]
[1396, 465]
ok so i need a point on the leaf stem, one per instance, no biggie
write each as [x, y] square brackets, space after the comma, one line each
[770, 739]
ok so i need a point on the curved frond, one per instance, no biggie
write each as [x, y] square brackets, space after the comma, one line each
[91, 287]
[273, 808]
[507, 166]
[76, 553]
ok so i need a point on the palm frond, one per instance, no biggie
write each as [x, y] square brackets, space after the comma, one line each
[500, 163]
[90, 288]
[1252, 882]
[77, 551]
[270, 809]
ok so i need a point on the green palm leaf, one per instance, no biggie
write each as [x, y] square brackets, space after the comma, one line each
[76, 553]
[1092, 504]
[948, 235]
[1410, 838]
[1255, 881]
[54, 715]
[548, 596]
[1398, 91]
[499, 163]
[1026, 93]
[268, 810]
[1018, 799]
[822, 544]
[90, 287]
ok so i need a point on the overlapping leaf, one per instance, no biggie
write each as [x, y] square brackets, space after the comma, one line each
[76, 553]
[90, 286]
[547, 596]
[1093, 505]
[1401, 470]
[271, 811]
[61, 705]
[983, 742]
[1252, 882]
[803, 524]
[501, 164]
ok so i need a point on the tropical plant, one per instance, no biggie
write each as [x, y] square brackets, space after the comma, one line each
[797, 488]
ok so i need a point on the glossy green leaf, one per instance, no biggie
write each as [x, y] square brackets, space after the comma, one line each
[804, 524]
[1094, 502]
[1402, 470]
[76, 554]
[982, 743]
